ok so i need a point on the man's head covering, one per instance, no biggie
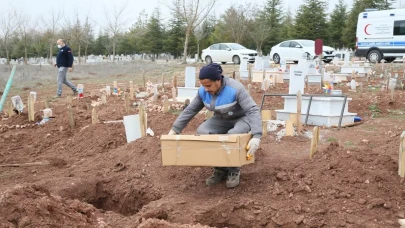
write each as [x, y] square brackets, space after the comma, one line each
[211, 71]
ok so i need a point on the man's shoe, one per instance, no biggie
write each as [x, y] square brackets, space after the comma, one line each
[75, 93]
[233, 179]
[216, 177]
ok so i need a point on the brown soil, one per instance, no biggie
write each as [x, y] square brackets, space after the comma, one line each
[93, 178]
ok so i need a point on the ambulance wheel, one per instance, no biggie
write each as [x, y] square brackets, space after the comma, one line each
[374, 56]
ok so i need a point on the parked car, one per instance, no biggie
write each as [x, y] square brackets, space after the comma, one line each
[228, 52]
[293, 50]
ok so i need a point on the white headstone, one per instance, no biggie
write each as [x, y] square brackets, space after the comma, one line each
[297, 80]
[243, 65]
[258, 63]
[190, 77]
[283, 64]
[311, 67]
[346, 58]
[132, 127]
[266, 62]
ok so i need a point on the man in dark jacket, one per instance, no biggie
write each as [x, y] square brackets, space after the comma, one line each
[64, 62]
[235, 112]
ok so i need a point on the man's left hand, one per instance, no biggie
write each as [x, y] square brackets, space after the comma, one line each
[252, 146]
[70, 69]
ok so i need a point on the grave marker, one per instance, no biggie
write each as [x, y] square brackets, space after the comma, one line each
[131, 90]
[71, 117]
[132, 126]
[190, 77]
[297, 80]
[94, 116]
[314, 142]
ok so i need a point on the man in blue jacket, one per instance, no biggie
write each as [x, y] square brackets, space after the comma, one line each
[235, 112]
[64, 62]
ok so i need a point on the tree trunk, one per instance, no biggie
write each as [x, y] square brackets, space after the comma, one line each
[198, 51]
[50, 53]
[25, 54]
[188, 31]
[85, 53]
[80, 58]
[7, 56]
[113, 51]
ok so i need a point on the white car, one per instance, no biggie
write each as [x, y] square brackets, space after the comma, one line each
[228, 52]
[294, 50]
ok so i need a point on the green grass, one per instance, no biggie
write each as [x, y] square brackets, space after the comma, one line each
[349, 144]
[370, 128]
[332, 139]
[374, 108]
[175, 112]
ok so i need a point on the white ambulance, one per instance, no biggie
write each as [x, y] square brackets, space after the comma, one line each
[381, 35]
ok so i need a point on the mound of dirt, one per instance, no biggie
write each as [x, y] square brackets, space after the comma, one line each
[155, 223]
[34, 206]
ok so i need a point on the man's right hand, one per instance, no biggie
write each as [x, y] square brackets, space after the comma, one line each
[171, 132]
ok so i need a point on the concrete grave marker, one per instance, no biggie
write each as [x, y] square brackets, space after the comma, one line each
[190, 77]
[297, 80]
[266, 62]
[258, 63]
[132, 127]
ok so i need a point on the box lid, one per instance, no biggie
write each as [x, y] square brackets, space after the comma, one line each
[208, 138]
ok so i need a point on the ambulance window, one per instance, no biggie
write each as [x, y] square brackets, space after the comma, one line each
[399, 28]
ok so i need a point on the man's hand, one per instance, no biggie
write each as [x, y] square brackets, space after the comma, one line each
[70, 69]
[171, 132]
[252, 146]
[55, 65]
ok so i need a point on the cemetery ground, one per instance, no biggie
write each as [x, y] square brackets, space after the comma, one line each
[53, 175]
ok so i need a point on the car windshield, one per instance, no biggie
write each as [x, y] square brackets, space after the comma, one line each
[236, 46]
[307, 43]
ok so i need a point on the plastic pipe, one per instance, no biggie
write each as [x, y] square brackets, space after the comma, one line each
[8, 85]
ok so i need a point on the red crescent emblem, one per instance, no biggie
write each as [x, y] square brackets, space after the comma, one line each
[365, 29]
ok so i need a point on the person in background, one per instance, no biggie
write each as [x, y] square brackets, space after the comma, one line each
[235, 112]
[64, 62]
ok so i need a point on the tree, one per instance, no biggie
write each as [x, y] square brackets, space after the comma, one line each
[273, 14]
[235, 23]
[259, 30]
[25, 30]
[200, 32]
[8, 26]
[115, 25]
[193, 13]
[337, 24]
[137, 32]
[51, 24]
[349, 33]
[287, 28]
[175, 37]
[311, 20]
[153, 38]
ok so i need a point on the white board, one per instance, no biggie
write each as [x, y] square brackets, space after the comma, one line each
[266, 62]
[297, 80]
[258, 63]
[243, 65]
[190, 77]
[132, 127]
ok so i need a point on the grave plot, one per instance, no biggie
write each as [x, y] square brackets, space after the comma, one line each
[88, 174]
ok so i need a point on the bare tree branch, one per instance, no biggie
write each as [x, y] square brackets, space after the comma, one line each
[193, 13]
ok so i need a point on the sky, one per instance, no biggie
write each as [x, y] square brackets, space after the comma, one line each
[96, 8]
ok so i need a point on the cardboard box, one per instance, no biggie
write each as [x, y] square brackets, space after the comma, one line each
[205, 150]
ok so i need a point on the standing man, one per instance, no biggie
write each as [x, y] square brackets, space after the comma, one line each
[64, 62]
[235, 112]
